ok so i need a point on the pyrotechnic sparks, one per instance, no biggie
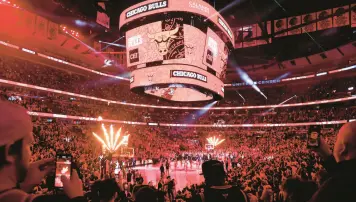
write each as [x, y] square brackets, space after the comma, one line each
[215, 141]
[111, 143]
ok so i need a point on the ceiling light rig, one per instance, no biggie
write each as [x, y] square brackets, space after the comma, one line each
[111, 143]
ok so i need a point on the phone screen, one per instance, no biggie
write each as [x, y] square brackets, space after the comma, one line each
[314, 136]
[63, 167]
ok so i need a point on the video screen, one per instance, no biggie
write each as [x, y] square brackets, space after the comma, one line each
[172, 42]
[195, 7]
[176, 61]
[156, 41]
[178, 92]
[215, 53]
[177, 83]
[63, 167]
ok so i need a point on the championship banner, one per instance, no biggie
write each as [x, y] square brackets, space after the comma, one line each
[30, 21]
[41, 26]
[280, 25]
[249, 33]
[307, 19]
[341, 16]
[19, 19]
[10, 19]
[102, 18]
[353, 15]
[26, 22]
[293, 22]
[52, 30]
[267, 26]
[324, 22]
[238, 37]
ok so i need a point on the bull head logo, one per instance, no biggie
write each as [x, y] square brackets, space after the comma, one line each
[162, 38]
[150, 77]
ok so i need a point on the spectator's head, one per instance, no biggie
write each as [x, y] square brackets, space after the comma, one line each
[345, 145]
[145, 194]
[296, 190]
[106, 190]
[139, 180]
[15, 141]
[213, 172]
[150, 184]
[126, 186]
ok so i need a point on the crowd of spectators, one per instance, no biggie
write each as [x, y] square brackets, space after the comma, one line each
[15, 69]
[39, 101]
[264, 158]
[268, 164]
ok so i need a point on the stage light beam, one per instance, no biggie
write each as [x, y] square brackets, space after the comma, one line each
[226, 8]
[280, 104]
[244, 76]
[113, 44]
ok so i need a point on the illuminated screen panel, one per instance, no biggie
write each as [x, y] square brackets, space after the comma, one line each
[168, 42]
[173, 59]
[177, 83]
[152, 7]
[193, 48]
[178, 92]
[139, 47]
[215, 53]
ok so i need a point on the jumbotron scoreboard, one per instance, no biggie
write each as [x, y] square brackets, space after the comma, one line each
[177, 49]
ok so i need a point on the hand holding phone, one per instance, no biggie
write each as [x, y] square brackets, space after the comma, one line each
[73, 186]
[63, 168]
[313, 140]
[37, 171]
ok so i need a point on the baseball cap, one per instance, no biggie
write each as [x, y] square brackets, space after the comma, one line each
[213, 167]
[15, 123]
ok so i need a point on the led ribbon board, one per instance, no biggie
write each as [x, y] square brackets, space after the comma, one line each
[165, 57]
[197, 7]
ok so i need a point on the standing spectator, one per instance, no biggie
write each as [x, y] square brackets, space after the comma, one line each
[129, 176]
[106, 191]
[167, 167]
[170, 186]
[341, 185]
[216, 189]
[19, 176]
[139, 184]
[162, 170]
[267, 193]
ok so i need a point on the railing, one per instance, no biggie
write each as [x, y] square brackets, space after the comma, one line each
[173, 107]
[62, 116]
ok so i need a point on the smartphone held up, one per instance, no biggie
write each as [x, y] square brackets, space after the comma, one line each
[313, 140]
[63, 167]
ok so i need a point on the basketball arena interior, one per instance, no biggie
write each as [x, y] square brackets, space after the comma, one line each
[178, 100]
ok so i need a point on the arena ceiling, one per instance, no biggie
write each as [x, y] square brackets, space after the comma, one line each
[237, 13]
